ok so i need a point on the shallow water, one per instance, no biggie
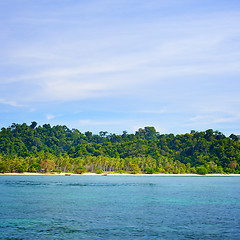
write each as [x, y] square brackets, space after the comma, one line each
[119, 207]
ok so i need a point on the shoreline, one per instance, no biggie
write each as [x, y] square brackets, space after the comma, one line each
[119, 174]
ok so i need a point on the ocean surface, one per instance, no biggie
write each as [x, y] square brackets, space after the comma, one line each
[119, 207]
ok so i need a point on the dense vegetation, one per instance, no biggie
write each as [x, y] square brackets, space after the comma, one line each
[44, 148]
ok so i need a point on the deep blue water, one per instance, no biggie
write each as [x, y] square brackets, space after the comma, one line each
[98, 207]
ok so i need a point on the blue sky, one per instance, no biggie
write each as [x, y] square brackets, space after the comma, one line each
[118, 65]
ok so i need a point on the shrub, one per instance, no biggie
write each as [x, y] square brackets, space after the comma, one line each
[201, 170]
[99, 171]
[80, 170]
[149, 170]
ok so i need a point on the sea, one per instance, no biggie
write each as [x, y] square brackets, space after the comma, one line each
[119, 207]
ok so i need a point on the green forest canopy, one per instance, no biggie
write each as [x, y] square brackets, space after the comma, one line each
[44, 148]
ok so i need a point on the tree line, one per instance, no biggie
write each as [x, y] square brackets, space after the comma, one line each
[45, 148]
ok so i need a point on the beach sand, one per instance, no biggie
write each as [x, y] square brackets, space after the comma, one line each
[118, 174]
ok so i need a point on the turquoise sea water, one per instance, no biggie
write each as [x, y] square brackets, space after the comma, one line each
[100, 207]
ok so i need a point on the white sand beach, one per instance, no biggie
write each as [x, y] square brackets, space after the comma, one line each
[119, 174]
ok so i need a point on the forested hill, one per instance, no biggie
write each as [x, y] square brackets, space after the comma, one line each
[44, 148]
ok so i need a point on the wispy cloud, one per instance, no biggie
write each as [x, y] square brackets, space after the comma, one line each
[213, 119]
[50, 116]
[11, 103]
[156, 111]
[89, 122]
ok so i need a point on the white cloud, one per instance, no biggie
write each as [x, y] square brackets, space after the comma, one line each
[88, 122]
[157, 49]
[50, 116]
[11, 103]
[213, 119]
[156, 111]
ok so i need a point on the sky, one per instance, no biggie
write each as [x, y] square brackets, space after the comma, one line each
[121, 65]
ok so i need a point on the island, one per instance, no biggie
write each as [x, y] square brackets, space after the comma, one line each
[58, 150]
